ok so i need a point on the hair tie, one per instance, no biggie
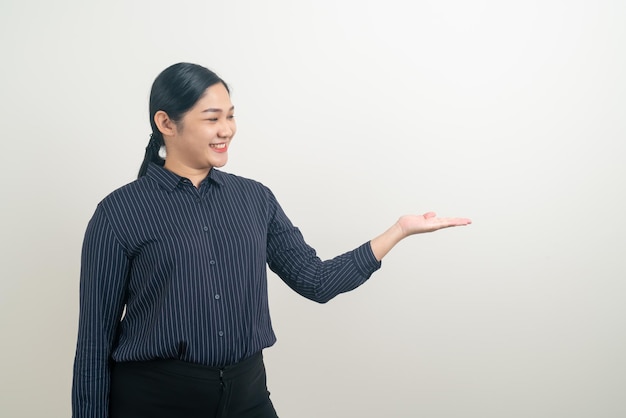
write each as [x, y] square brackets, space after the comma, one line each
[153, 143]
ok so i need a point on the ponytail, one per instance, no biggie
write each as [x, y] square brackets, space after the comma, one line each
[152, 153]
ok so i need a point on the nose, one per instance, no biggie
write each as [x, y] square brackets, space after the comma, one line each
[226, 130]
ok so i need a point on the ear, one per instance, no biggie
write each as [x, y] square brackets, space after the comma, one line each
[165, 124]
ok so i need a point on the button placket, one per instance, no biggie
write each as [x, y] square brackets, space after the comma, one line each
[204, 211]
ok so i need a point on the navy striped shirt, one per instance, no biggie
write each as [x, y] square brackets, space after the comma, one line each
[171, 271]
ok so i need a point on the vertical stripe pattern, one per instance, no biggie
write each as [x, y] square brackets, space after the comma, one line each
[171, 271]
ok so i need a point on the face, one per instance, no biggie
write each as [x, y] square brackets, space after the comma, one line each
[201, 139]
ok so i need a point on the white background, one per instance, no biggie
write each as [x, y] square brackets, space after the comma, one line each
[353, 113]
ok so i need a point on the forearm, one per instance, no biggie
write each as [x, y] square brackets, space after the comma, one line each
[90, 388]
[300, 268]
[382, 244]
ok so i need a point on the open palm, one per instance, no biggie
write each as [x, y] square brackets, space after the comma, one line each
[428, 222]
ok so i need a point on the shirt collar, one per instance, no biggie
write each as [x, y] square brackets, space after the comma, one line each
[169, 180]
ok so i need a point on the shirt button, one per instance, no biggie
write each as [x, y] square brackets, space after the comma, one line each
[206, 228]
[197, 199]
[212, 262]
[221, 333]
[217, 296]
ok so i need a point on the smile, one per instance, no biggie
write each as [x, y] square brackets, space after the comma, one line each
[218, 146]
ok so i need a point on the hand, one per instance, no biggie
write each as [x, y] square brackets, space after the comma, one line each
[411, 225]
[428, 222]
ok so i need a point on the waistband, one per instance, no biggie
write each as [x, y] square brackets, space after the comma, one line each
[198, 371]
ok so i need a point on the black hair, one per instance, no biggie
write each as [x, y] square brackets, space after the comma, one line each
[175, 91]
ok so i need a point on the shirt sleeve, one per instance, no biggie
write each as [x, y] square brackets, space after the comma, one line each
[298, 265]
[104, 271]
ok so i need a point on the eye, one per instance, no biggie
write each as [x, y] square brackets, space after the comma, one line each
[231, 117]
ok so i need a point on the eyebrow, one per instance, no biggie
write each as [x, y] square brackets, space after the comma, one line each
[212, 109]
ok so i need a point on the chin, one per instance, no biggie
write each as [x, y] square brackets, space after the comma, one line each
[221, 163]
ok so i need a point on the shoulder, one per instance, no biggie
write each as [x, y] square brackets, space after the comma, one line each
[239, 183]
[131, 194]
[248, 193]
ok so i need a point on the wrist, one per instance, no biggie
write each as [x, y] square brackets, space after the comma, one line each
[398, 231]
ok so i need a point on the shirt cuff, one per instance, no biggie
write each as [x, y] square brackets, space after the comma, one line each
[365, 260]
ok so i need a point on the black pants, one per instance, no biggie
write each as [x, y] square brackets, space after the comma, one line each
[176, 389]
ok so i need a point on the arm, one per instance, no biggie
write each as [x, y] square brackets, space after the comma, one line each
[104, 267]
[410, 225]
[298, 265]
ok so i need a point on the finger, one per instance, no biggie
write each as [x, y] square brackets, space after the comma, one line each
[456, 221]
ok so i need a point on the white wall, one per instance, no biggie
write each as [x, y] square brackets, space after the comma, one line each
[353, 112]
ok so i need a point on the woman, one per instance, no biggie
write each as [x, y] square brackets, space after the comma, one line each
[173, 302]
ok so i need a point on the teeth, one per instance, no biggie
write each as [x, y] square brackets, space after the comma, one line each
[218, 145]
